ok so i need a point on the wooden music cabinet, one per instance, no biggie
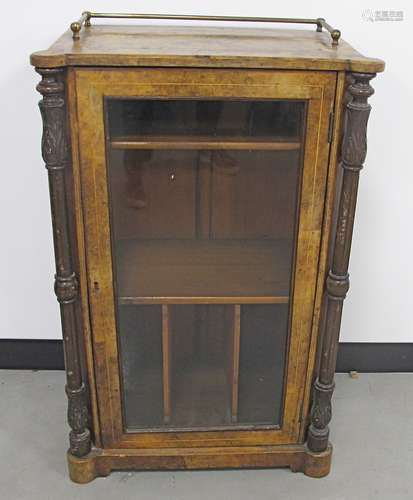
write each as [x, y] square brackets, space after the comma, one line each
[203, 185]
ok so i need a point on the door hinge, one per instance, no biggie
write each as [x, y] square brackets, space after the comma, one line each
[330, 127]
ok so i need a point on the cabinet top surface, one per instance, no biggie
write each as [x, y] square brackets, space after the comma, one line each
[199, 46]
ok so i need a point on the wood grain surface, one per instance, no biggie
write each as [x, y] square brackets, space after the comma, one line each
[200, 46]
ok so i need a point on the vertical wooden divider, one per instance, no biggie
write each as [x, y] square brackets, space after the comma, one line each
[166, 363]
[203, 209]
[236, 328]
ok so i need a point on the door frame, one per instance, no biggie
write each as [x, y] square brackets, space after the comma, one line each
[88, 88]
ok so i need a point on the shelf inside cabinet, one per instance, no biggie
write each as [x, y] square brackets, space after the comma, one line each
[206, 142]
[203, 271]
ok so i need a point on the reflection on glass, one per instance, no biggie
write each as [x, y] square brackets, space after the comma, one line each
[203, 201]
[205, 118]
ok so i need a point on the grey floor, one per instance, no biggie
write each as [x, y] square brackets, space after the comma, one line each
[372, 434]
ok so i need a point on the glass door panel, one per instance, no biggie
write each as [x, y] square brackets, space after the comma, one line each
[203, 203]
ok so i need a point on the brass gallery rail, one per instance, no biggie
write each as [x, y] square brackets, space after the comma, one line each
[85, 18]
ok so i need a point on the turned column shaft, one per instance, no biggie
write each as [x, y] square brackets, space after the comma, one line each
[56, 155]
[353, 154]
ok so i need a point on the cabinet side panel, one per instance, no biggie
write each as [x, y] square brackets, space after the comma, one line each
[301, 351]
[329, 207]
[92, 159]
[79, 237]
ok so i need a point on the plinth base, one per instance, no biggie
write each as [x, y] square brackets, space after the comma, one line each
[100, 462]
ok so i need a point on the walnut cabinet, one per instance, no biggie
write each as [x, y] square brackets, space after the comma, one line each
[203, 185]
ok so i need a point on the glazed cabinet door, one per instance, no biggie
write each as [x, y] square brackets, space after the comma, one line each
[202, 199]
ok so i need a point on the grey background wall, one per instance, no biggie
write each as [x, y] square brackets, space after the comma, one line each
[380, 301]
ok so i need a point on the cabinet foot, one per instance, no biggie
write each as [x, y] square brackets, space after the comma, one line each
[317, 464]
[84, 470]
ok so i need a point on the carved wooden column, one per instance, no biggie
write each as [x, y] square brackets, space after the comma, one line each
[353, 154]
[56, 154]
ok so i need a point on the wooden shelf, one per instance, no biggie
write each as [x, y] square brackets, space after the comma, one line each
[203, 271]
[205, 142]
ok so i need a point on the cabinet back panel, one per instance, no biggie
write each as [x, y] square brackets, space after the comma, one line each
[257, 201]
[140, 349]
[145, 202]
